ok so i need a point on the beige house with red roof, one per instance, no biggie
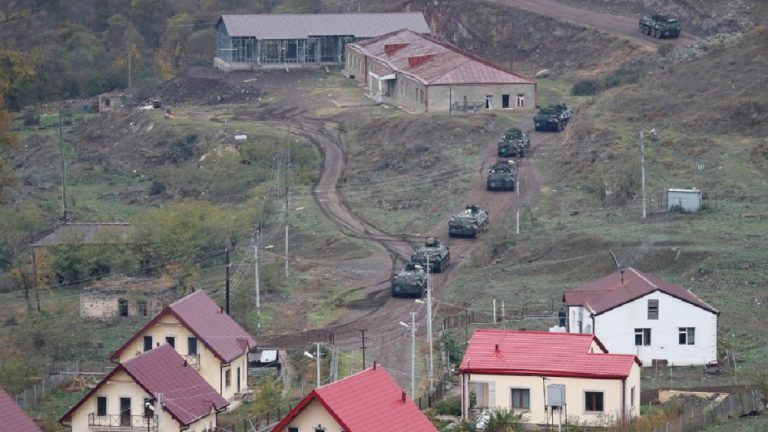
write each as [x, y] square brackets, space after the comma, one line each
[12, 417]
[526, 371]
[157, 391]
[205, 336]
[427, 75]
[633, 312]
[369, 401]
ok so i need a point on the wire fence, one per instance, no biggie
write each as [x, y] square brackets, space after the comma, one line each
[61, 374]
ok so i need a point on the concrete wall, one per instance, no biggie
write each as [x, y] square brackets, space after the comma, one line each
[579, 320]
[616, 330]
[440, 96]
[687, 200]
[356, 66]
[312, 416]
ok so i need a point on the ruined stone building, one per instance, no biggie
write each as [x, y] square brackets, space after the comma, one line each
[125, 297]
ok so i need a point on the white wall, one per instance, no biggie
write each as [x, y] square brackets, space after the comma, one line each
[689, 201]
[579, 320]
[616, 330]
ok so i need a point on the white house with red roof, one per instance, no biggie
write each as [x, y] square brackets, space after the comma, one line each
[200, 330]
[13, 418]
[157, 391]
[427, 75]
[519, 371]
[369, 401]
[633, 312]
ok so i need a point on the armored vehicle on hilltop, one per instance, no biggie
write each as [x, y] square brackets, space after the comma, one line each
[438, 255]
[660, 26]
[514, 143]
[412, 280]
[502, 176]
[469, 223]
[552, 118]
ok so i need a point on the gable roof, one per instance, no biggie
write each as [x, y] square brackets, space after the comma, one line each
[302, 26]
[432, 61]
[86, 233]
[14, 419]
[208, 322]
[186, 395]
[541, 353]
[369, 401]
[616, 289]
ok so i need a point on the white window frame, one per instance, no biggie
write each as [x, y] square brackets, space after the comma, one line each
[690, 335]
[646, 341]
[520, 101]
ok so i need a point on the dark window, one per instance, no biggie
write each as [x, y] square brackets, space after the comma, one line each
[228, 378]
[593, 401]
[521, 398]
[101, 405]
[293, 429]
[147, 343]
[642, 337]
[147, 411]
[505, 101]
[687, 336]
[122, 307]
[141, 305]
[171, 340]
[632, 397]
[192, 345]
[653, 309]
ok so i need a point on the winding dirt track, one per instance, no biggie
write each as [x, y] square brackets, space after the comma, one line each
[621, 26]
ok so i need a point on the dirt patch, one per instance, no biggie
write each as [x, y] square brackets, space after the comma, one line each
[206, 86]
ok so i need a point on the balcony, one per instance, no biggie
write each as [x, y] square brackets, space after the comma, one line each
[193, 360]
[122, 422]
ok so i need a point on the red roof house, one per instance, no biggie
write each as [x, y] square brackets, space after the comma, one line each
[119, 399]
[369, 401]
[12, 417]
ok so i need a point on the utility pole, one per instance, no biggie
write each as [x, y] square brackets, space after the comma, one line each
[517, 201]
[63, 170]
[130, 71]
[429, 325]
[256, 277]
[287, 164]
[34, 277]
[503, 316]
[642, 168]
[159, 408]
[363, 348]
[413, 355]
[450, 102]
[317, 356]
[226, 284]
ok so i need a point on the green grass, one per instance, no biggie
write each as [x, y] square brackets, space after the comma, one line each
[49, 410]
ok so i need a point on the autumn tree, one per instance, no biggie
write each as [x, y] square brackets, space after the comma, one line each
[8, 144]
[16, 72]
[17, 227]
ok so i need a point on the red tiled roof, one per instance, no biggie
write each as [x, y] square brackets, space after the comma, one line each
[369, 401]
[186, 395]
[540, 353]
[610, 292]
[433, 62]
[206, 320]
[12, 417]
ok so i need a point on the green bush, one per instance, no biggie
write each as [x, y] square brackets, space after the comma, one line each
[622, 76]
[584, 88]
[156, 188]
[449, 406]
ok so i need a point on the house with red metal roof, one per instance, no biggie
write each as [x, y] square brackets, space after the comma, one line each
[369, 401]
[633, 312]
[426, 75]
[12, 416]
[157, 391]
[549, 377]
[208, 338]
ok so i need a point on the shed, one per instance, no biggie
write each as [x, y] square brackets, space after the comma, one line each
[684, 199]
[110, 101]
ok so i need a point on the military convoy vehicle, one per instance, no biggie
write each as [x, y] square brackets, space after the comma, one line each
[514, 143]
[552, 118]
[660, 26]
[469, 223]
[502, 176]
[438, 255]
[412, 280]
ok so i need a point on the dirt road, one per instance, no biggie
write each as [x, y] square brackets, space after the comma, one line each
[624, 27]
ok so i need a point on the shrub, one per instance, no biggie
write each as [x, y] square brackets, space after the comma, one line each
[449, 406]
[156, 188]
[665, 49]
[622, 76]
[584, 88]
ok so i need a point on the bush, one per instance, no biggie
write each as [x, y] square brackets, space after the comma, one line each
[622, 76]
[665, 49]
[584, 88]
[156, 188]
[449, 406]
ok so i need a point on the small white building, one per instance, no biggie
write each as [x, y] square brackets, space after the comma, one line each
[685, 199]
[632, 312]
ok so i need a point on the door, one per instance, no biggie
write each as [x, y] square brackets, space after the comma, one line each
[505, 101]
[521, 101]
[489, 102]
[125, 412]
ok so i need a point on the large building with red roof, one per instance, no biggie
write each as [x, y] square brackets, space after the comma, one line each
[369, 401]
[157, 391]
[13, 418]
[525, 371]
[633, 312]
[426, 75]
[200, 330]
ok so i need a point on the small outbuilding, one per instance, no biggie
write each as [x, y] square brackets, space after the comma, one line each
[684, 199]
[125, 297]
[110, 101]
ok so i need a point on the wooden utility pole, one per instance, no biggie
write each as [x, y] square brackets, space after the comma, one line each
[34, 278]
[363, 348]
[130, 71]
[226, 284]
[256, 278]
[287, 220]
[642, 169]
[63, 170]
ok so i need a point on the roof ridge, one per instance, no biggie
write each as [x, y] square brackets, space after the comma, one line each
[644, 278]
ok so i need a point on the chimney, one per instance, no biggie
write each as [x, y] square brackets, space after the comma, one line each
[389, 49]
[374, 365]
[193, 288]
[403, 396]
[222, 309]
[185, 363]
[497, 347]
[622, 277]
[414, 61]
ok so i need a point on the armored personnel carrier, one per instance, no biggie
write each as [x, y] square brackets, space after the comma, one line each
[438, 255]
[514, 143]
[552, 118]
[469, 223]
[412, 280]
[502, 176]
[660, 26]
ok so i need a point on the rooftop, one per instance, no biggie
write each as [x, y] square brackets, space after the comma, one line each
[369, 401]
[86, 233]
[14, 419]
[302, 26]
[539, 353]
[625, 286]
[434, 62]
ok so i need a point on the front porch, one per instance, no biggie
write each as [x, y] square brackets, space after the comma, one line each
[121, 422]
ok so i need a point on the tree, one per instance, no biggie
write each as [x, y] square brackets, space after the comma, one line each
[150, 17]
[17, 227]
[16, 72]
[8, 144]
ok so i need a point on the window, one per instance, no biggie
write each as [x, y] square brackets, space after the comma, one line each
[293, 429]
[521, 101]
[228, 378]
[653, 309]
[101, 405]
[489, 102]
[521, 398]
[141, 305]
[147, 343]
[122, 307]
[642, 337]
[148, 413]
[505, 101]
[687, 336]
[191, 345]
[593, 401]
[171, 340]
[632, 397]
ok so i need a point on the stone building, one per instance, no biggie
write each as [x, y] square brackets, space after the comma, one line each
[126, 297]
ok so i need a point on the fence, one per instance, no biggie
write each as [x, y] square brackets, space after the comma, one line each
[527, 310]
[59, 374]
[295, 340]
